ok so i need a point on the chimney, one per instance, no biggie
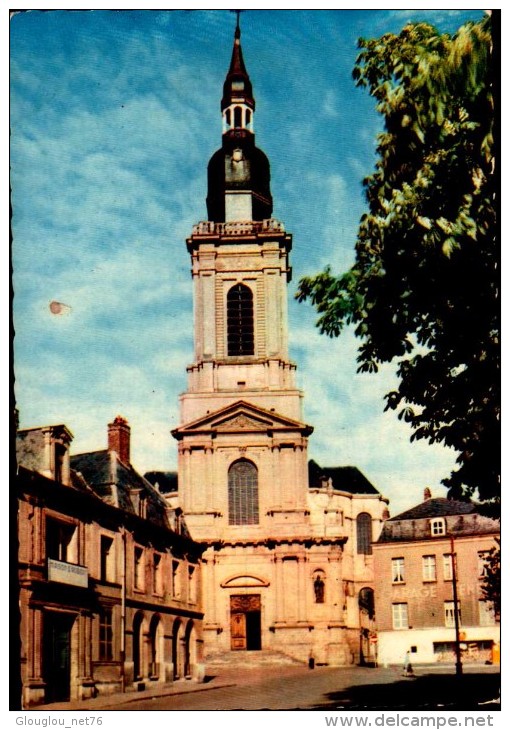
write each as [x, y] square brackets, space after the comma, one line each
[427, 494]
[119, 436]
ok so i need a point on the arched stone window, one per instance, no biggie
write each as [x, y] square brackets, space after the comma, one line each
[227, 117]
[366, 602]
[319, 586]
[243, 493]
[238, 116]
[364, 533]
[240, 332]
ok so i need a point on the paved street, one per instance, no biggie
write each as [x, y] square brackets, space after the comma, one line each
[298, 688]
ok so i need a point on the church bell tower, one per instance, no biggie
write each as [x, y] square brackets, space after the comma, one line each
[241, 382]
[240, 271]
[242, 443]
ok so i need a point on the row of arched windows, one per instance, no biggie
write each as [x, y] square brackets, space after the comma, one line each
[236, 115]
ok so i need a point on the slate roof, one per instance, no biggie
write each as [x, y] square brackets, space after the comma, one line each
[113, 481]
[344, 478]
[462, 519]
[436, 507]
[166, 480]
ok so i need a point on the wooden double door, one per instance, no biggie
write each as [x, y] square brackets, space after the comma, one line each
[245, 633]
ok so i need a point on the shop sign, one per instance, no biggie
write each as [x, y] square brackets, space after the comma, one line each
[74, 575]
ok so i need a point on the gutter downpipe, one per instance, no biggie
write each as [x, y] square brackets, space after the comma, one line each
[123, 615]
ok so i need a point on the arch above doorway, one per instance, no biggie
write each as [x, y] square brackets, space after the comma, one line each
[245, 581]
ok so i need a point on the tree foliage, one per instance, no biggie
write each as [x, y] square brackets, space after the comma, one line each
[491, 584]
[423, 291]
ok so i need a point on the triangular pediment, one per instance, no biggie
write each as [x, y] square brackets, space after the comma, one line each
[241, 417]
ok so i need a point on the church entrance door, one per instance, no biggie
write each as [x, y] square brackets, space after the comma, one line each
[245, 623]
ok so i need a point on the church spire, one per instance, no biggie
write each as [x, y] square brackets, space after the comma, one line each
[237, 104]
[238, 177]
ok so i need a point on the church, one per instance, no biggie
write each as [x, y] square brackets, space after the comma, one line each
[288, 565]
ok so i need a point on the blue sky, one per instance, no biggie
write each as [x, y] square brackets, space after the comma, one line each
[114, 116]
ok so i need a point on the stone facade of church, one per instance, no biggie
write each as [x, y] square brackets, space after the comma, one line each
[288, 564]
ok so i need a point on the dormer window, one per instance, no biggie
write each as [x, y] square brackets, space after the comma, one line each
[46, 450]
[437, 527]
[238, 85]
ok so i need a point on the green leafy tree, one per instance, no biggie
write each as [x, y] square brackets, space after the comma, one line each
[423, 291]
[491, 584]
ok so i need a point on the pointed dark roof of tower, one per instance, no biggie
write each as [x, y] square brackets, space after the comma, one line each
[237, 84]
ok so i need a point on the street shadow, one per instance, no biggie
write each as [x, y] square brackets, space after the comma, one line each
[429, 692]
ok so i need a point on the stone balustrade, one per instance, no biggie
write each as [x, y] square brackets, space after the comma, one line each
[238, 228]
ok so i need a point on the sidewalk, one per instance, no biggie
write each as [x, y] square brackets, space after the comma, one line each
[118, 701]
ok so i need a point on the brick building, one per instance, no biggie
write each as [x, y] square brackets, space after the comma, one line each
[414, 571]
[110, 587]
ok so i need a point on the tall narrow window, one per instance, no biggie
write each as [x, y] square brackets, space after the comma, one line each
[240, 321]
[243, 493]
[447, 566]
[397, 570]
[191, 584]
[138, 568]
[106, 558]
[400, 616]
[364, 533]
[176, 586]
[449, 613]
[237, 116]
[157, 585]
[105, 634]
[61, 541]
[429, 568]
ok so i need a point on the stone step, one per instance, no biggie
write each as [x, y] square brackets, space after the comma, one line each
[251, 658]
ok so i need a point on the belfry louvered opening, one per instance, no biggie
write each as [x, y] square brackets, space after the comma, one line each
[240, 332]
[243, 493]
